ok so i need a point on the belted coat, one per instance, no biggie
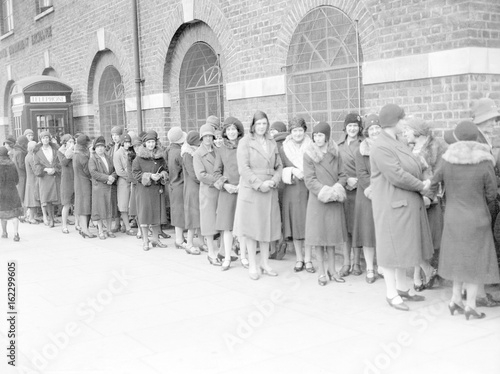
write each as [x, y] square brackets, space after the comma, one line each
[103, 204]
[49, 185]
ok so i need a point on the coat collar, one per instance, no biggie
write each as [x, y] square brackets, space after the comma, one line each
[468, 153]
[253, 143]
[317, 155]
[144, 153]
[203, 150]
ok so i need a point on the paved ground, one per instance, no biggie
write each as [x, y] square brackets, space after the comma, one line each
[92, 306]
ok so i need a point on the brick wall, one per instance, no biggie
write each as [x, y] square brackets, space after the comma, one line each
[252, 38]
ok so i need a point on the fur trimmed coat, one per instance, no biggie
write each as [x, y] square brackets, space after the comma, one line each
[400, 217]
[10, 203]
[325, 221]
[150, 195]
[467, 247]
[49, 185]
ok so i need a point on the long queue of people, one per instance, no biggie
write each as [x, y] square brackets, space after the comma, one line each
[379, 192]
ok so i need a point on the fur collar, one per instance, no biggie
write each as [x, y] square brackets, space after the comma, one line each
[432, 150]
[188, 149]
[40, 145]
[317, 155]
[366, 146]
[468, 153]
[144, 153]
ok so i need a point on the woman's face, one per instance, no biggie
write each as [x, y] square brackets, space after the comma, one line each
[352, 130]
[45, 140]
[100, 150]
[273, 132]
[150, 144]
[298, 134]
[218, 141]
[409, 135]
[232, 132]
[30, 136]
[126, 145]
[319, 138]
[115, 137]
[260, 126]
[208, 140]
[70, 143]
[374, 131]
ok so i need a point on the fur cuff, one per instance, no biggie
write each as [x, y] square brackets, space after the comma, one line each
[368, 192]
[339, 190]
[324, 194]
[287, 175]
[219, 183]
[146, 179]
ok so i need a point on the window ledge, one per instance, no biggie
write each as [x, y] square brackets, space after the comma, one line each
[44, 13]
[6, 35]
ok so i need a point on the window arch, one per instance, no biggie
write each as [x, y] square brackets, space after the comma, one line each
[111, 101]
[200, 86]
[323, 68]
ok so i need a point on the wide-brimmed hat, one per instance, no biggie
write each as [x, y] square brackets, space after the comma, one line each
[390, 114]
[176, 135]
[465, 131]
[207, 129]
[483, 110]
[193, 138]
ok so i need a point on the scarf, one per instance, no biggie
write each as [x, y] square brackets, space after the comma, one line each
[295, 154]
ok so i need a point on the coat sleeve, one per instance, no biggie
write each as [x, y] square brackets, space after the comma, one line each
[62, 159]
[188, 166]
[490, 184]
[39, 166]
[246, 173]
[19, 161]
[120, 163]
[94, 171]
[437, 178]
[200, 171]
[278, 167]
[388, 165]
[310, 178]
[362, 172]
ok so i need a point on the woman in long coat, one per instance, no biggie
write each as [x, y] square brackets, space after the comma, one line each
[10, 203]
[401, 224]
[295, 192]
[176, 138]
[191, 191]
[103, 176]
[364, 228]
[83, 185]
[67, 179]
[429, 149]
[203, 162]
[467, 248]
[228, 179]
[257, 216]
[19, 155]
[120, 163]
[132, 154]
[149, 170]
[348, 149]
[48, 171]
[31, 194]
[325, 178]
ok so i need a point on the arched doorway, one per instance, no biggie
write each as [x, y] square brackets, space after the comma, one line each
[323, 68]
[200, 86]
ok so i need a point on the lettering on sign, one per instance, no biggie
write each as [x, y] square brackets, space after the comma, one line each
[22, 44]
[41, 35]
[47, 99]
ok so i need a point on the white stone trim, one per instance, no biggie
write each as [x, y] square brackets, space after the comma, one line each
[84, 110]
[9, 72]
[188, 10]
[470, 60]
[4, 121]
[43, 14]
[260, 87]
[153, 101]
[7, 34]
[46, 58]
[101, 39]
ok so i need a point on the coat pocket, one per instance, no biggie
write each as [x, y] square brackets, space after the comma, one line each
[399, 204]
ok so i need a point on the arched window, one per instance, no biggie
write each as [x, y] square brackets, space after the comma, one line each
[200, 86]
[323, 73]
[111, 101]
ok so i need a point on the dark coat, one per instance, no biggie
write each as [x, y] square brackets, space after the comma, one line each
[10, 203]
[226, 171]
[176, 185]
[467, 247]
[191, 190]
[348, 154]
[295, 196]
[257, 213]
[32, 192]
[401, 224]
[82, 181]
[325, 222]
[150, 195]
[49, 184]
[203, 162]
[67, 177]
[364, 227]
[18, 158]
[103, 204]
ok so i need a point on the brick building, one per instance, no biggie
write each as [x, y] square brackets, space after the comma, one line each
[68, 65]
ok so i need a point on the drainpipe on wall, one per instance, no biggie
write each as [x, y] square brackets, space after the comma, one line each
[138, 79]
